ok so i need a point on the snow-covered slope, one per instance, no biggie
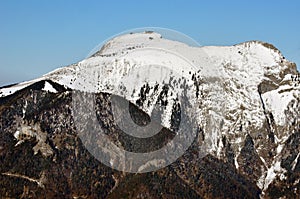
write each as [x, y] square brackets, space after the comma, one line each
[238, 90]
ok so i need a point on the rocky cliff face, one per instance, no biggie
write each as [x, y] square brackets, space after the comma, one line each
[244, 100]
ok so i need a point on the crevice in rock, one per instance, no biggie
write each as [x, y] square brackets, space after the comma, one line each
[269, 117]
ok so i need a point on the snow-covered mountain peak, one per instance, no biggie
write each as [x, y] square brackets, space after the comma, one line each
[244, 96]
[252, 62]
[236, 72]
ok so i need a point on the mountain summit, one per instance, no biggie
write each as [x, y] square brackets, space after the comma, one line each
[241, 101]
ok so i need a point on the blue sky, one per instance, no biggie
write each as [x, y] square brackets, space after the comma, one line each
[39, 36]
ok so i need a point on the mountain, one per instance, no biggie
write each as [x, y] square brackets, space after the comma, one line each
[234, 109]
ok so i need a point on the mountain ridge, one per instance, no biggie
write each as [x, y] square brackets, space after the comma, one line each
[248, 107]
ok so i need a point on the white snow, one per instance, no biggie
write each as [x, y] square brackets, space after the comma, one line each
[272, 172]
[295, 162]
[279, 148]
[49, 87]
[17, 134]
[24, 108]
[276, 101]
[236, 162]
[263, 160]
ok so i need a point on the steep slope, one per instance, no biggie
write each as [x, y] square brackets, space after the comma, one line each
[243, 98]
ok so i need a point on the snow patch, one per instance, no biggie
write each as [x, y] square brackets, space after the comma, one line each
[295, 161]
[49, 88]
[277, 103]
[272, 172]
[279, 148]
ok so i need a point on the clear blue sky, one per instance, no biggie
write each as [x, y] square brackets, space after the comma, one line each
[38, 36]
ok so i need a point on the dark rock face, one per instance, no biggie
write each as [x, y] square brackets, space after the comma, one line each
[51, 161]
[290, 186]
[250, 160]
[63, 168]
